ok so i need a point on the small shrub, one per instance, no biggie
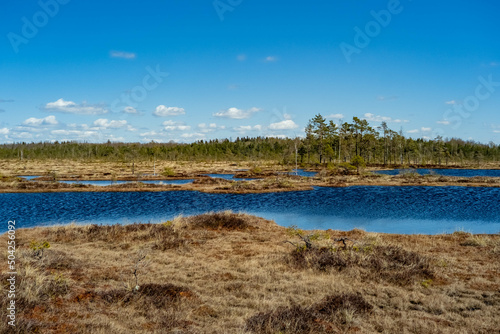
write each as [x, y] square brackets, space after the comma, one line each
[358, 162]
[158, 295]
[475, 241]
[166, 236]
[426, 283]
[327, 316]
[219, 221]
[167, 171]
[37, 248]
[256, 170]
[374, 262]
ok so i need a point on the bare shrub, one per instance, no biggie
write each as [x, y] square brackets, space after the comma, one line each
[226, 220]
[390, 263]
[327, 316]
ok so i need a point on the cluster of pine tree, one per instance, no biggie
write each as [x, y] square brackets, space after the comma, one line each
[324, 142]
[358, 141]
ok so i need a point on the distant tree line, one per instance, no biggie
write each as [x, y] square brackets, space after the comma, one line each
[324, 142]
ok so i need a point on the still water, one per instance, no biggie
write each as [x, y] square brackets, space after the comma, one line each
[105, 183]
[428, 210]
[445, 172]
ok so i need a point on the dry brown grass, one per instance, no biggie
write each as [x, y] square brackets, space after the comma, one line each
[270, 174]
[234, 273]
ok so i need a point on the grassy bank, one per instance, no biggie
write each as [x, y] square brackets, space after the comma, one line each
[234, 273]
[266, 182]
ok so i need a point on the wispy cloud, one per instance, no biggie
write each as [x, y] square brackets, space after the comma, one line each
[163, 111]
[103, 124]
[377, 118]
[247, 128]
[335, 116]
[283, 125]
[175, 126]
[210, 127]
[236, 113]
[71, 107]
[49, 120]
[443, 122]
[131, 111]
[5, 101]
[421, 130]
[270, 59]
[122, 54]
[241, 57]
[195, 135]
[4, 131]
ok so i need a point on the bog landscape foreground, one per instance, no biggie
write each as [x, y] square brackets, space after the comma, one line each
[233, 273]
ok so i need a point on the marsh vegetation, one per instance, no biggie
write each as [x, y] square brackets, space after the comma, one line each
[234, 273]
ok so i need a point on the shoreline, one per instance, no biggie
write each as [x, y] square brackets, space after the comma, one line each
[264, 185]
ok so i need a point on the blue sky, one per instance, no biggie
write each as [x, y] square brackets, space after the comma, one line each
[185, 70]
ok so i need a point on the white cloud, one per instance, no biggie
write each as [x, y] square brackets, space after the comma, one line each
[422, 130]
[377, 118]
[175, 126]
[178, 128]
[452, 102]
[122, 54]
[150, 134]
[77, 133]
[4, 131]
[130, 110]
[103, 123]
[193, 135]
[444, 122]
[241, 57]
[245, 128]
[32, 129]
[335, 116]
[21, 135]
[71, 107]
[210, 127]
[270, 59]
[236, 113]
[163, 111]
[114, 139]
[49, 120]
[277, 136]
[496, 131]
[284, 125]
